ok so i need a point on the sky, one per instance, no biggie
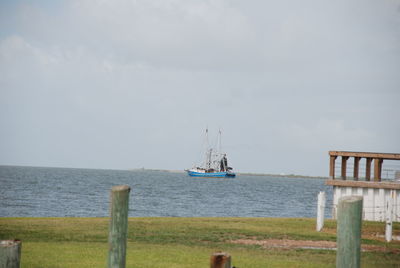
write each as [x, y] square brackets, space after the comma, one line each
[129, 84]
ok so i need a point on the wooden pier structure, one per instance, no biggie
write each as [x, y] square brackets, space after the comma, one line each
[377, 158]
[377, 194]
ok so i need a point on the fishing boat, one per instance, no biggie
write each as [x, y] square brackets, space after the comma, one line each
[215, 163]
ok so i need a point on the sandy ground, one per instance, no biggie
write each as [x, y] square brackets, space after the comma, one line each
[305, 244]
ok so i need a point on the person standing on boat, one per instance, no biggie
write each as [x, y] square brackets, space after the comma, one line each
[224, 163]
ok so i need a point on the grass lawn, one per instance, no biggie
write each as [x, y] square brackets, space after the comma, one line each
[188, 242]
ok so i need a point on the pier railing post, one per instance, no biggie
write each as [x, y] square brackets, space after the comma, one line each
[368, 169]
[10, 253]
[321, 210]
[332, 167]
[118, 226]
[356, 167]
[378, 169]
[220, 260]
[349, 232]
[344, 167]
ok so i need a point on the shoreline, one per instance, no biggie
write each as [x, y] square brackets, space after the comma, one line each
[179, 171]
[238, 173]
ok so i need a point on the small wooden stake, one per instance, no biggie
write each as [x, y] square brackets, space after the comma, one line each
[10, 253]
[220, 260]
[118, 226]
[349, 232]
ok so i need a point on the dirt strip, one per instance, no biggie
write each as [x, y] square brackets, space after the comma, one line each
[305, 244]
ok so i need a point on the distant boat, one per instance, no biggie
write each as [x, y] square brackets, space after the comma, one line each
[215, 164]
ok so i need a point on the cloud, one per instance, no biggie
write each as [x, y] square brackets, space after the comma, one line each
[114, 83]
[179, 34]
[15, 48]
[331, 133]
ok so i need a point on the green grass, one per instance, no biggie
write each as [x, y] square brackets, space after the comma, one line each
[185, 242]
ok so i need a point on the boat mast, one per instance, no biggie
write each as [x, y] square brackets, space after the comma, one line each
[208, 152]
[219, 141]
[209, 156]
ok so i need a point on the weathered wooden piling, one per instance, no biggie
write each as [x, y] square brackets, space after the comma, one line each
[119, 204]
[10, 253]
[349, 232]
[220, 260]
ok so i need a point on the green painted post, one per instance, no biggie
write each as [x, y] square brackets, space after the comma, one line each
[118, 226]
[349, 232]
[10, 253]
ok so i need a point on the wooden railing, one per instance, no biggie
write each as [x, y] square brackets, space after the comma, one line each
[377, 159]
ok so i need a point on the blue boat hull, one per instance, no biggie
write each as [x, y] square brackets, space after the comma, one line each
[211, 174]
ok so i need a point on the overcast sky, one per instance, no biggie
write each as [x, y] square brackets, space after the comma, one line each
[128, 84]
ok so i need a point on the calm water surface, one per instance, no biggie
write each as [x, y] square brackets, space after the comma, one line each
[60, 192]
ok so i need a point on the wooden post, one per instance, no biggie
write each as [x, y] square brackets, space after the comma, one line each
[220, 260]
[349, 232]
[332, 167]
[118, 226]
[10, 253]
[368, 169]
[377, 169]
[344, 167]
[356, 166]
[389, 211]
[321, 210]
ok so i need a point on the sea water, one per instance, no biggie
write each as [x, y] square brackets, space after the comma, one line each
[65, 192]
